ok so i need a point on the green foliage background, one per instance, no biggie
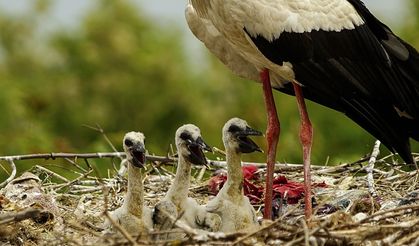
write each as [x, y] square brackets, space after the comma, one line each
[121, 71]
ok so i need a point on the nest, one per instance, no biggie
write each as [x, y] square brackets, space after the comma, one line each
[42, 207]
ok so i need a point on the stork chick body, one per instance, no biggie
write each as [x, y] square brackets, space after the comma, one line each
[234, 208]
[176, 202]
[133, 215]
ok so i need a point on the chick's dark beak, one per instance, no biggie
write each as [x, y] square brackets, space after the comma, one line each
[246, 145]
[251, 132]
[196, 148]
[203, 145]
[138, 155]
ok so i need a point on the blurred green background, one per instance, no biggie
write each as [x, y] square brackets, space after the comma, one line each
[119, 69]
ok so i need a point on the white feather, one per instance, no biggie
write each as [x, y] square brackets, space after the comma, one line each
[268, 18]
[205, 31]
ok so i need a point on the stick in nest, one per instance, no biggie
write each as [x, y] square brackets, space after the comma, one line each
[99, 129]
[75, 181]
[370, 168]
[30, 213]
[12, 175]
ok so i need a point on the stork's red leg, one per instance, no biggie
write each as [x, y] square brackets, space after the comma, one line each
[306, 138]
[272, 134]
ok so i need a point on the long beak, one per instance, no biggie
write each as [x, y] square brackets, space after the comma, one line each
[204, 145]
[246, 145]
[251, 132]
[138, 155]
[196, 148]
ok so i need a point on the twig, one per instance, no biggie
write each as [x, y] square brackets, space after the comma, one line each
[306, 233]
[278, 166]
[413, 208]
[201, 174]
[79, 187]
[98, 128]
[4, 169]
[404, 224]
[180, 224]
[368, 230]
[12, 175]
[52, 173]
[408, 239]
[30, 213]
[278, 222]
[153, 167]
[87, 190]
[99, 155]
[88, 182]
[166, 159]
[77, 226]
[198, 235]
[339, 168]
[122, 168]
[75, 180]
[66, 240]
[75, 164]
[398, 176]
[54, 156]
[219, 151]
[370, 168]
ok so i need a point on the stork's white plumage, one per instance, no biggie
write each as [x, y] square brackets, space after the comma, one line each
[336, 50]
[190, 146]
[205, 31]
[133, 215]
[231, 204]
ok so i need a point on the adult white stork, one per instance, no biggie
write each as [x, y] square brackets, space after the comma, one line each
[334, 51]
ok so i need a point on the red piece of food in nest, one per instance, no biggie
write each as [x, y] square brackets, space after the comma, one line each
[217, 181]
[292, 191]
[250, 172]
[253, 192]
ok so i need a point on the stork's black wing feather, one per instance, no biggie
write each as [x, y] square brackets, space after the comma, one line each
[368, 73]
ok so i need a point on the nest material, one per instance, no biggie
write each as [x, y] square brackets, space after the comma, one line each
[34, 210]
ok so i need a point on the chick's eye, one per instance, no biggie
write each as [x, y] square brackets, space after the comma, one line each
[234, 129]
[185, 136]
[128, 142]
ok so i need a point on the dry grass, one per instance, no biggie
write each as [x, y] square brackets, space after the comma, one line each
[71, 212]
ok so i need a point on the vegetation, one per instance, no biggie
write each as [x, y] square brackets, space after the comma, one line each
[119, 70]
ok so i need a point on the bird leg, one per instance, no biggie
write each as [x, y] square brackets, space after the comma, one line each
[306, 138]
[272, 134]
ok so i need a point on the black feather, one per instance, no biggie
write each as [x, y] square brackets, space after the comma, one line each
[368, 73]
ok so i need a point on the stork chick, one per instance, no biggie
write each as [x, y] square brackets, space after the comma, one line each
[176, 203]
[234, 208]
[133, 216]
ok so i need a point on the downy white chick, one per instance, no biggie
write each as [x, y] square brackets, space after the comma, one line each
[133, 216]
[234, 208]
[190, 146]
